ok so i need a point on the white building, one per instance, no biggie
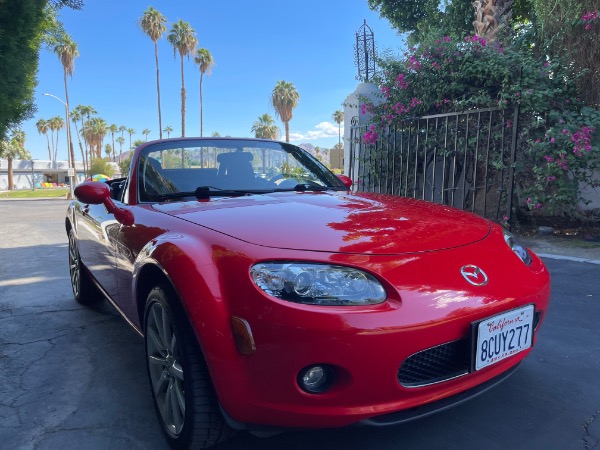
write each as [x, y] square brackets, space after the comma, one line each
[30, 174]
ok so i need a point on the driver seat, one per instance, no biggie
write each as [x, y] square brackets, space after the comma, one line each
[235, 169]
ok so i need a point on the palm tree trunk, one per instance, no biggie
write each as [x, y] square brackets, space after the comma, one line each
[157, 90]
[339, 132]
[68, 124]
[287, 132]
[49, 151]
[10, 173]
[182, 100]
[201, 104]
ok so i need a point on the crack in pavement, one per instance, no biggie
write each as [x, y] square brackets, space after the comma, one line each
[589, 441]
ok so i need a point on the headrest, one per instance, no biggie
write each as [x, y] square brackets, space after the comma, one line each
[235, 156]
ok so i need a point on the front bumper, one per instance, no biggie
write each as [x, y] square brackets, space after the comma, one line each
[366, 346]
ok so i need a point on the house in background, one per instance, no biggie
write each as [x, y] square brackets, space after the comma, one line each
[30, 174]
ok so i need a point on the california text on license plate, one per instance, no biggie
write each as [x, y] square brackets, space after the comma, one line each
[504, 335]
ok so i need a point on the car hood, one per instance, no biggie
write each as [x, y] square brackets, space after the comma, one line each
[335, 222]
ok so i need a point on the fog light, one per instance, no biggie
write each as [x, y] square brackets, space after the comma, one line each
[316, 379]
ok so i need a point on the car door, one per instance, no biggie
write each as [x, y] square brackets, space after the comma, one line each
[96, 231]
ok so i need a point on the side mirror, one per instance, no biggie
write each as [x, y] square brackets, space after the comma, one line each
[98, 193]
[346, 180]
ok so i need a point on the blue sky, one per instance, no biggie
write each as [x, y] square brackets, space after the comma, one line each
[309, 43]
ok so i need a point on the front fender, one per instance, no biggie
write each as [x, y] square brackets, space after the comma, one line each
[189, 266]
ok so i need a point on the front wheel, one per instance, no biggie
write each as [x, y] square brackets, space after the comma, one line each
[184, 398]
[84, 290]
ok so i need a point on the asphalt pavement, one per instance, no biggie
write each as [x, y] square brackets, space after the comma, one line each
[74, 377]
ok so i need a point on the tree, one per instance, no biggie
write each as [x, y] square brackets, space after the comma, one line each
[206, 62]
[424, 19]
[66, 50]
[168, 130]
[22, 26]
[113, 129]
[137, 143]
[284, 99]
[265, 128]
[55, 124]
[13, 149]
[87, 111]
[146, 132]
[75, 116]
[153, 25]
[338, 117]
[94, 132]
[183, 39]
[120, 140]
[102, 166]
[131, 132]
[42, 127]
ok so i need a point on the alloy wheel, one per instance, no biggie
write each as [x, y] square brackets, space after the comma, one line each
[74, 267]
[164, 365]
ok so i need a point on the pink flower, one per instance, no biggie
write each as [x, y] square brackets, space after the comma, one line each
[371, 136]
[551, 178]
[589, 16]
[400, 81]
[385, 90]
[548, 158]
[538, 205]
[552, 140]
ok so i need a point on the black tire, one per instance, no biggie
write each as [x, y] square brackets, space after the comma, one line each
[84, 290]
[184, 399]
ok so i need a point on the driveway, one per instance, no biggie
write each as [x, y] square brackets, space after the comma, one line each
[73, 377]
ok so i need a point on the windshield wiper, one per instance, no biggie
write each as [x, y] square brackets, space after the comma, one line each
[301, 187]
[203, 192]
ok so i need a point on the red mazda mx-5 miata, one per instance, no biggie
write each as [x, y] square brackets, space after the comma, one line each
[270, 296]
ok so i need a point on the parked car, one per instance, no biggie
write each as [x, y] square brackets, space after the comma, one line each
[271, 296]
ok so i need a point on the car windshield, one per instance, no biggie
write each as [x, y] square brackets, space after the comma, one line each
[228, 167]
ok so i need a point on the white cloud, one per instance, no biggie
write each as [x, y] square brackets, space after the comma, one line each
[322, 130]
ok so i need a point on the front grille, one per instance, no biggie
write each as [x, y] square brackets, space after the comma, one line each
[436, 364]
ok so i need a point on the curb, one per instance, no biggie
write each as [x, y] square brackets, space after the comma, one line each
[568, 258]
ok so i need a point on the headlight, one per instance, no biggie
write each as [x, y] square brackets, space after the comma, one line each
[318, 284]
[517, 247]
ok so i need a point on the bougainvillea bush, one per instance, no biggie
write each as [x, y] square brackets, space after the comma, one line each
[558, 141]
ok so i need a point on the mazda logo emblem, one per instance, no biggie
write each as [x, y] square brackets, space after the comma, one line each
[474, 275]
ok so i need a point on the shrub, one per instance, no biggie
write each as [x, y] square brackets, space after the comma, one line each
[558, 144]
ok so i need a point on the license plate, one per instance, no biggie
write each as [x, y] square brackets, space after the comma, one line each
[504, 335]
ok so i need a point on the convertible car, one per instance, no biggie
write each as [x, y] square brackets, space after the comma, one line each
[271, 296]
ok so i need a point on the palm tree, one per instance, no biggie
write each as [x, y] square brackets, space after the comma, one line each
[42, 127]
[206, 62]
[66, 50]
[153, 24]
[13, 149]
[75, 116]
[122, 129]
[55, 124]
[265, 128]
[120, 140]
[131, 132]
[146, 132]
[108, 150]
[87, 111]
[183, 39]
[94, 131]
[168, 130]
[284, 99]
[338, 117]
[113, 129]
